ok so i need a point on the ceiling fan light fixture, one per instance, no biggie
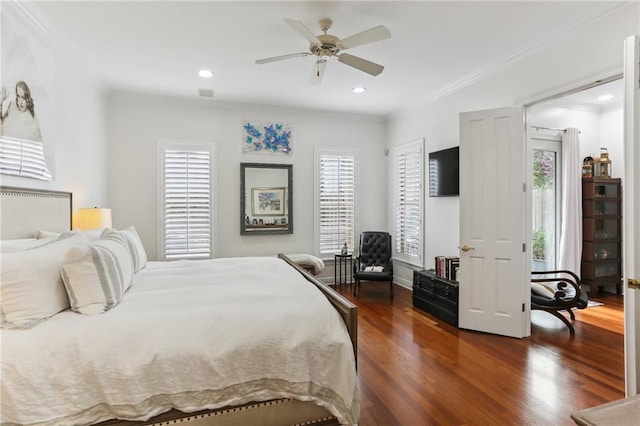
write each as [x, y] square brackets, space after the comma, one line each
[359, 89]
[204, 73]
[325, 46]
[605, 98]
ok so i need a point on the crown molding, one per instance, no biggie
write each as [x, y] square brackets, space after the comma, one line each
[527, 49]
[28, 12]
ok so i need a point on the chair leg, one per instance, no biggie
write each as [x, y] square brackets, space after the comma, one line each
[355, 287]
[564, 320]
[573, 317]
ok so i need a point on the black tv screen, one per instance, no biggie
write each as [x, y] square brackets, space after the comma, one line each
[444, 172]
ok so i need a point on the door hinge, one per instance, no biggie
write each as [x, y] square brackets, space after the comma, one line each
[524, 247]
[633, 283]
[523, 307]
[524, 187]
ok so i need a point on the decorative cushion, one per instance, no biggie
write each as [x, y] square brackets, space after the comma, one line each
[21, 244]
[96, 276]
[47, 234]
[373, 268]
[92, 234]
[542, 290]
[31, 288]
[307, 261]
[138, 255]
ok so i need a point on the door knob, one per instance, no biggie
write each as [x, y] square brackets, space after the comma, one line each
[466, 248]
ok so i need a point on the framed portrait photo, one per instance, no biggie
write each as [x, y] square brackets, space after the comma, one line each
[267, 201]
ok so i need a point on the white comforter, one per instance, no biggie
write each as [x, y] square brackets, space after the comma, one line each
[190, 335]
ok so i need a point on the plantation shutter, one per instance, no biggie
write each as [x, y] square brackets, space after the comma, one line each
[187, 202]
[337, 202]
[20, 157]
[409, 165]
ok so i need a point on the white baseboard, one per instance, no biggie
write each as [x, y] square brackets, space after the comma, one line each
[404, 283]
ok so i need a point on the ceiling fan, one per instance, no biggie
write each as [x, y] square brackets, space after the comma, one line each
[326, 45]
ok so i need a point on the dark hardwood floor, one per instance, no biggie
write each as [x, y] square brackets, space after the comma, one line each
[417, 370]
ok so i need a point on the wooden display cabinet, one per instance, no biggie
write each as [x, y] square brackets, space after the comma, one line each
[601, 233]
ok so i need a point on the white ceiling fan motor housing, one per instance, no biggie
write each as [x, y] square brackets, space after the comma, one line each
[328, 47]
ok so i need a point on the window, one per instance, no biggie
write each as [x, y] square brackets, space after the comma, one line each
[20, 157]
[336, 189]
[545, 203]
[186, 209]
[409, 177]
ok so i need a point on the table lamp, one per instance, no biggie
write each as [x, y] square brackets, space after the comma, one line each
[93, 218]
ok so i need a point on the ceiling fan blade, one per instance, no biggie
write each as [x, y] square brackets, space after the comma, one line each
[302, 30]
[318, 72]
[367, 36]
[361, 64]
[282, 57]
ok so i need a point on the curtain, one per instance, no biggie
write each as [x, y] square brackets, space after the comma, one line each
[570, 250]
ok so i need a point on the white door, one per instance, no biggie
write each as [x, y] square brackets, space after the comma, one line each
[493, 270]
[631, 218]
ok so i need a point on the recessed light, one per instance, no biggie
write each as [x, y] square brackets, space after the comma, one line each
[605, 98]
[205, 73]
[359, 89]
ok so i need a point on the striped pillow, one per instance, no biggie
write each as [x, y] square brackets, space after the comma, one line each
[138, 255]
[97, 275]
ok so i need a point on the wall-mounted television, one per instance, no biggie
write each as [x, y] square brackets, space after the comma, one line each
[444, 172]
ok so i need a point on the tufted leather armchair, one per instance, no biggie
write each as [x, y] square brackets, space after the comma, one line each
[375, 250]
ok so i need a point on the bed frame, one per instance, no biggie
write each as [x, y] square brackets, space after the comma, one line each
[24, 211]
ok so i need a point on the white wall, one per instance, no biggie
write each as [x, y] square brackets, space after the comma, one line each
[597, 129]
[583, 55]
[137, 122]
[612, 136]
[75, 142]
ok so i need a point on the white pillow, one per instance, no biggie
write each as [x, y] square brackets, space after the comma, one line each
[20, 244]
[97, 275]
[47, 234]
[92, 234]
[138, 255]
[542, 290]
[31, 288]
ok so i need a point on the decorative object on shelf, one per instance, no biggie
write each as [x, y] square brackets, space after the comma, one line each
[605, 163]
[266, 138]
[587, 167]
[596, 165]
[345, 249]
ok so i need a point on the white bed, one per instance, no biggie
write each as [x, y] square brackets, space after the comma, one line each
[235, 341]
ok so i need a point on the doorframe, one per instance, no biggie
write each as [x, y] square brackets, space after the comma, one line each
[631, 190]
[631, 332]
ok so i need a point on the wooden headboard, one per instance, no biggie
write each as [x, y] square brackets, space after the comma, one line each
[23, 211]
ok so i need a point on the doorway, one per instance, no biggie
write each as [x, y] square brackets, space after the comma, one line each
[598, 112]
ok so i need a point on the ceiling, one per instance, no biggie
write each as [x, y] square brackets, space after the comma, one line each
[157, 47]
[591, 99]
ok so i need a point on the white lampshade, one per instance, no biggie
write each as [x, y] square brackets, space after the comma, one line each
[94, 218]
